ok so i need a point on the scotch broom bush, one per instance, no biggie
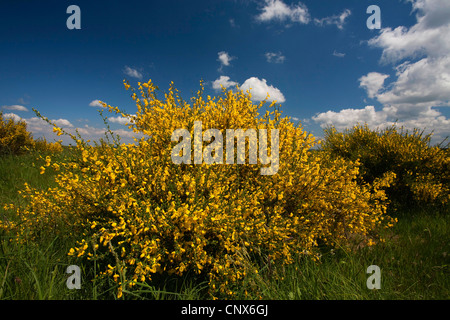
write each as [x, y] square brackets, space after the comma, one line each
[137, 214]
[42, 145]
[422, 171]
[15, 139]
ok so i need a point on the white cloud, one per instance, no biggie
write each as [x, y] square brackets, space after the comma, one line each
[62, 123]
[15, 107]
[338, 20]
[223, 81]
[12, 116]
[430, 36]
[39, 128]
[278, 10]
[132, 72]
[420, 56]
[372, 82]
[348, 117]
[89, 132]
[259, 90]
[95, 103]
[426, 119]
[338, 54]
[224, 58]
[274, 57]
[38, 123]
[422, 83]
[120, 119]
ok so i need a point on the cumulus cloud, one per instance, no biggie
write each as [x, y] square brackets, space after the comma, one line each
[259, 90]
[120, 120]
[224, 58]
[420, 56]
[349, 117]
[274, 57]
[131, 72]
[95, 103]
[223, 81]
[426, 119]
[337, 20]
[12, 116]
[420, 84]
[428, 37]
[63, 123]
[15, 107]
[372, 82]
[278, 10]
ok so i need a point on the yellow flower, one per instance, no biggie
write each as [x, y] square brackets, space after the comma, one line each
[57, 130]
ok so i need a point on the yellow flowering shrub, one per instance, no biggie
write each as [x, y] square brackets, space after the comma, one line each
[14, 137]
[42, 145]
[137, 213]
[422, 171]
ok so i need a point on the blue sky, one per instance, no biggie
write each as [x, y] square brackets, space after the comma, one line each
[316, 57]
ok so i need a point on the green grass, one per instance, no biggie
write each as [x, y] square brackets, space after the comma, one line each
[414, 260]
[414, 264]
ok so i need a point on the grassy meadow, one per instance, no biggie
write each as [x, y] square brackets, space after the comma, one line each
[414, 260]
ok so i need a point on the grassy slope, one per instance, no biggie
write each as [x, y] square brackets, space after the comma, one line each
[414, 262]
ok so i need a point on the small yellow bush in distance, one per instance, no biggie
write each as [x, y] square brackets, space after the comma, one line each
[16, 140]
[138, 213]
[42, 145]
[422, 171]
[14, 137]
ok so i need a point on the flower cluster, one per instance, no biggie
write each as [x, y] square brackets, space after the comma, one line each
[137, 213]
[15, 139]
[42, 145]
[422, 171]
